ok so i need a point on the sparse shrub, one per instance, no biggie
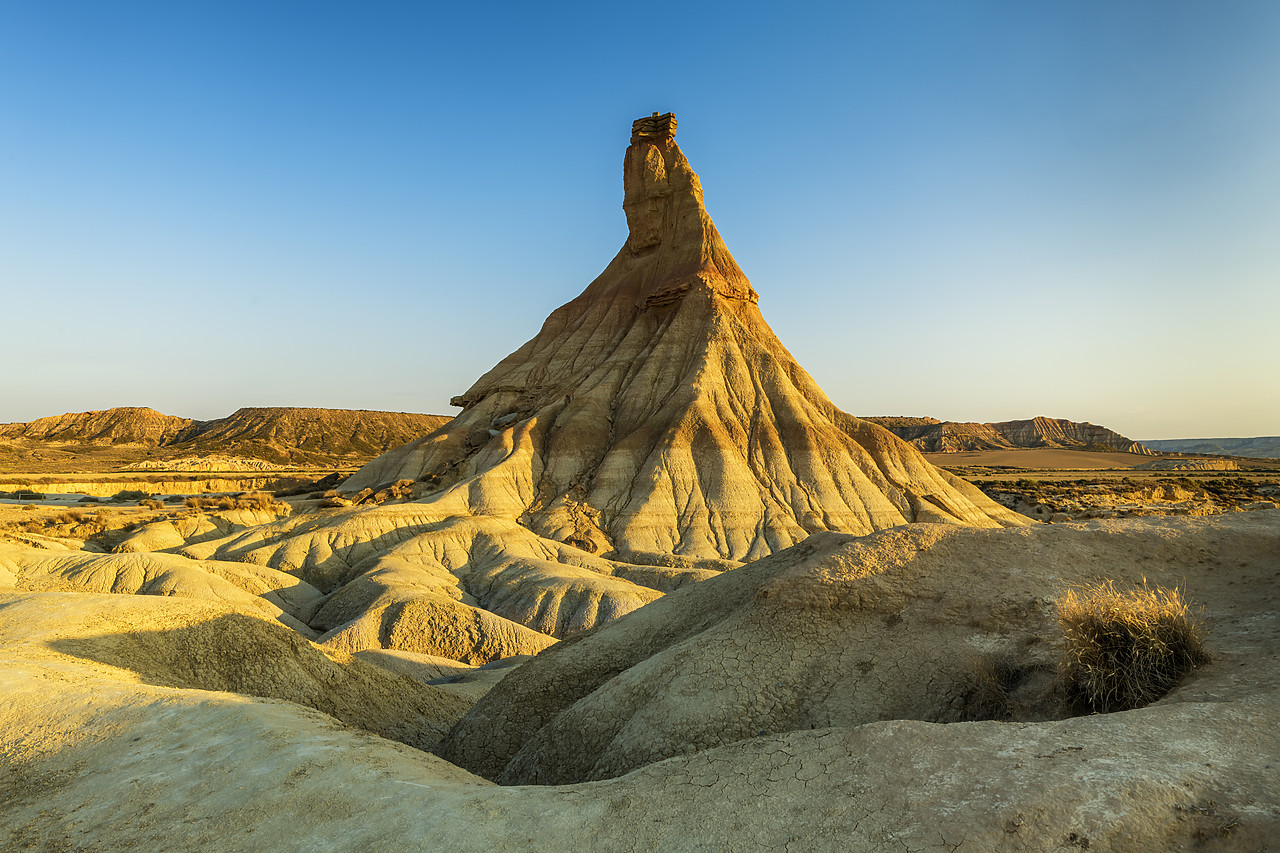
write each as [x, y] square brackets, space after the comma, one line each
[1126, 648]
[251, 500]
[88, 499]
[151, 503]
[129, 495]
[255, 500]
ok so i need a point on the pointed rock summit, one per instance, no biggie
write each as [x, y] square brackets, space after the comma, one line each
[658, 414]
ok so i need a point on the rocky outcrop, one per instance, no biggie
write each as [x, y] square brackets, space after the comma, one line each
[1056, 432]
[935, 436]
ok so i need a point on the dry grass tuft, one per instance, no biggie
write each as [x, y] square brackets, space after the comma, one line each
[1126, 648]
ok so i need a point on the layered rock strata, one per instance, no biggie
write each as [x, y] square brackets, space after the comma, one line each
[657, 413]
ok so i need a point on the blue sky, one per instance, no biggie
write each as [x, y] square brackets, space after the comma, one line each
[970, 210]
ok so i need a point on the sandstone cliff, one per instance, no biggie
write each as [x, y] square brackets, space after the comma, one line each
[936, 436]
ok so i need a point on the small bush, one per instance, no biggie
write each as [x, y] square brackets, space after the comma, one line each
[1126, 648]
[150, 503]
[255, 500]
[129, 495]
[251, 500]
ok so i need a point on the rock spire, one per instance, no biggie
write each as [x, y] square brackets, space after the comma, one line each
[657, 413]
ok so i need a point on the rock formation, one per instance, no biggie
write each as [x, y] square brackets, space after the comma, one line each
[1057, 432]
[936, 436]
[657, 413]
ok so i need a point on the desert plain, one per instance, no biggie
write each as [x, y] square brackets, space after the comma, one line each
[649, 590]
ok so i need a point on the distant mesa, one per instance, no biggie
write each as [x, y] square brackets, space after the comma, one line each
[124, 425]
[932, 435]
[1261, 447]
[272, 435]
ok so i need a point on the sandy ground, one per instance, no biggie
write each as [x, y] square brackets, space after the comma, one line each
[100, 753]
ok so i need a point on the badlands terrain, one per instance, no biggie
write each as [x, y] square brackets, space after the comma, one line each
[649, 590]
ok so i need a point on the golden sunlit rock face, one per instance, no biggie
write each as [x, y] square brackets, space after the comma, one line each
[657, 413]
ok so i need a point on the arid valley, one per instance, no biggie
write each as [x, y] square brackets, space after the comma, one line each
[649, 589]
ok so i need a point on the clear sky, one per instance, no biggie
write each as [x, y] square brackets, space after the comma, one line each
[969, 210]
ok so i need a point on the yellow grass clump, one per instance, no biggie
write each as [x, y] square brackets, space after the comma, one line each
[1126, 648]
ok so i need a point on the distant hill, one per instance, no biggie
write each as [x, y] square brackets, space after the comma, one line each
[1262, 447]
[937, 436]
[125, 425]
[307, 435]
[279, 435]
